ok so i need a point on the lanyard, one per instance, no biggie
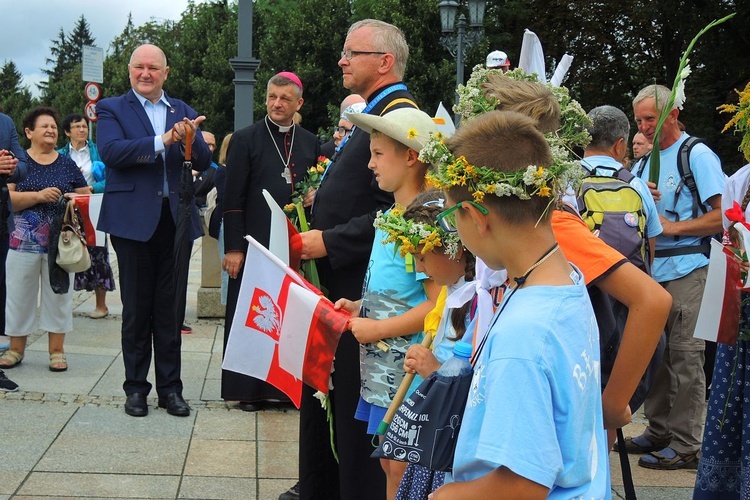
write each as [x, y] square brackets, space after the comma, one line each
[370, 106]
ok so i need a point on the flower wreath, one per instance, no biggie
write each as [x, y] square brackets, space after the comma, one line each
[408, 234]
[549, 182]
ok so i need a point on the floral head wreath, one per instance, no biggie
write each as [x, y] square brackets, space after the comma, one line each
[741, 119]
[551, 181]
[408, 234]
[449, 171]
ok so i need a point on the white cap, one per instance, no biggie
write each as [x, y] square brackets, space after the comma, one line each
[497, 59]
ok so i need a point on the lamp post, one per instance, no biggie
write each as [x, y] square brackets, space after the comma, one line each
[458, 36]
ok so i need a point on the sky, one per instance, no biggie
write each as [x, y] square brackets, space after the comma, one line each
[29, 26]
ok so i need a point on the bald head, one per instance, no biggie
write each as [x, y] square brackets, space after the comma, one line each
[148, 71]
[351, 99]
[149, 48]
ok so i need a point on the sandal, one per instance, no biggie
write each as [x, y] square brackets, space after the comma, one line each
[657, 460]
[10, 359]
[58, 362]
[636, 449]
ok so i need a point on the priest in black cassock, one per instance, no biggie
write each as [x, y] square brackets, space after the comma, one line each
[271, 154]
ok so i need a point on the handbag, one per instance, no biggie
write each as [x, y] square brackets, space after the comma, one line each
[72, 254]
[424, 430]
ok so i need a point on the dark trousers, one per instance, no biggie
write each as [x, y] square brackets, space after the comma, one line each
[148, 309]
[356, 476]
[4, 243]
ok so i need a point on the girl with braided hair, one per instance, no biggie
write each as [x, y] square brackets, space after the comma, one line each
[724, 464]
[450, 265]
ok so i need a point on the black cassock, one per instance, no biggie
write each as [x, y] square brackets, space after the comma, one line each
[256, 161]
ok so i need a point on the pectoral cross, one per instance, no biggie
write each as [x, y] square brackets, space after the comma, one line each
[287, 174]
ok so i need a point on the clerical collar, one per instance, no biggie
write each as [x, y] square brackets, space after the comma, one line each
[282, 128]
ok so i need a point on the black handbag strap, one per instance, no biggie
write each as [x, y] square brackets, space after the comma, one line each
[627, 474]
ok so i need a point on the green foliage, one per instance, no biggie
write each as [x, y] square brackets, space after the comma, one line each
[307, 44]
[618, 49]
[200, 73]
[15, 98]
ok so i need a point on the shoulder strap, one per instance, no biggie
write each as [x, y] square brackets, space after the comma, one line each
[686, 173]
[400, 100]
[640, 166]
[625, 175]
[595, 170]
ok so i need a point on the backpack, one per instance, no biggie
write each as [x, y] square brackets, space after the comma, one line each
[613, 210]
[686, 179]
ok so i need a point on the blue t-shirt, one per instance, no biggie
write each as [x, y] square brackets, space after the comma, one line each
[535, 404]
[31, 233]
[390, 289]
[709, 178]
[653, 225]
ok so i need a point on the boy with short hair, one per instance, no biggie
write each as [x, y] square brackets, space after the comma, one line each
[533, 425]
[395, 297]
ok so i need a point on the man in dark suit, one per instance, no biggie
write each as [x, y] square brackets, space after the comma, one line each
[13, 169]
[373, 63]
[141, 138]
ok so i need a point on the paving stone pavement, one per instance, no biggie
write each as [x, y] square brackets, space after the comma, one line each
[65, 435]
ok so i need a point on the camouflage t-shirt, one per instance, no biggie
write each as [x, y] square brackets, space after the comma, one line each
[391, 288]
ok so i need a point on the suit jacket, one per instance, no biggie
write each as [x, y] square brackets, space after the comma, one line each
[345, 206]
[9, 141]
[132, 202]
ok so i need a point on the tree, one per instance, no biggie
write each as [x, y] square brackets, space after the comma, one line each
[15, 98]
[64, 87]
[79, 37]
[200, 73]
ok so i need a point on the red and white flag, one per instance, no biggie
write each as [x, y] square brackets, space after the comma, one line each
[719, 315]
[282, 332]
[90, 205]
[284, 239]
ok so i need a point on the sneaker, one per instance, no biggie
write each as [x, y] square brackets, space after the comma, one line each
[7, 385]
[4, 343]
[291, 494]
[186, 329]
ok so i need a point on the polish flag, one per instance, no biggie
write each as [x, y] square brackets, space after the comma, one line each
[282, 332]
[90, 205]
[284, 240]
[719, 315]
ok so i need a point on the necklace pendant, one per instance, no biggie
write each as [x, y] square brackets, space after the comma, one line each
[287, 175]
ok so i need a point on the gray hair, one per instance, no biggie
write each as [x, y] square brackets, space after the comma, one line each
[282, 81]
[387, 38]
[608, 125]
[659, 93]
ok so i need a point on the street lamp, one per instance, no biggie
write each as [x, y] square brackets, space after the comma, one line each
[456, 38]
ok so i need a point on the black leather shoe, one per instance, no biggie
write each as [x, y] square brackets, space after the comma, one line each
[246, 406]
[136, 405]
[175, 405]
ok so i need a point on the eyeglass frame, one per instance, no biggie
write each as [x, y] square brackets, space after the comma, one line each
[342, 130]
[447, 218]
[349, 54]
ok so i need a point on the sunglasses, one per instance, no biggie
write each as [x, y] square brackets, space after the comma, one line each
[447, 218]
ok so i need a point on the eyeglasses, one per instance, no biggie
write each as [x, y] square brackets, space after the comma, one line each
[348, 54]
[341, 130]
[447, 218]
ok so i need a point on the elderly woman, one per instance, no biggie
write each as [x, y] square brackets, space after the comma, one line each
[50, 175]
[98, 278]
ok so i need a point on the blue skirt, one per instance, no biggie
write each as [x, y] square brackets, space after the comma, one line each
[724, 465]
